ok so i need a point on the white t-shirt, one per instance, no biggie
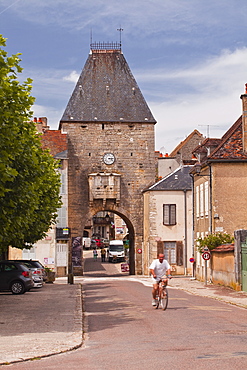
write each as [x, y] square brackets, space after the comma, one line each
[159, 268]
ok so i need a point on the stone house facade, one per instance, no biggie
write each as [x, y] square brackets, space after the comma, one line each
[168, 221]
[220, 184]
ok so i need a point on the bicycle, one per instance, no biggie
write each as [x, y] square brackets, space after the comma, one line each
[162, 295]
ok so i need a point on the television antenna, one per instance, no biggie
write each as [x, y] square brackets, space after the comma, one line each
[208, 128]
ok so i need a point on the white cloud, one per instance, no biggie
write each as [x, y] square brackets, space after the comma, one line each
[205, 95]
[210, 99]
[53, 115]
[169, 15]
[72, 77]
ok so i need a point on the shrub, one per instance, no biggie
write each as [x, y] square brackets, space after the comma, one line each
[214, 240]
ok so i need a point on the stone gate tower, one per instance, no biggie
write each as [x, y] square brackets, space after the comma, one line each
[110, 132]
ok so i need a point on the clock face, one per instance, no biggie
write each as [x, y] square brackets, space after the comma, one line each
[109, 158]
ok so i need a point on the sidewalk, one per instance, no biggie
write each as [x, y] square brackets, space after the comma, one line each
[50, 320]
[40, 322]
[220, 293]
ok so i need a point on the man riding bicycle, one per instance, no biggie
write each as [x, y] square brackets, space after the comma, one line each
[159, 269]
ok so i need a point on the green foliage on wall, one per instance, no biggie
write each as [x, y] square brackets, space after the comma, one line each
[214, 240]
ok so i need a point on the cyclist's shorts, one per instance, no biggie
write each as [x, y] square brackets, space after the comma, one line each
[157, 279]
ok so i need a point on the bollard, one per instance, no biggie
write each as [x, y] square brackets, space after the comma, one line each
[70, 279]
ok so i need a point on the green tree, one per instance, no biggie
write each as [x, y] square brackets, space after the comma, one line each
[29, 182]
[214, 240]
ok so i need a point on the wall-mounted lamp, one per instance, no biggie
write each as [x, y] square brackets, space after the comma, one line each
[198, 168]
[107, 217]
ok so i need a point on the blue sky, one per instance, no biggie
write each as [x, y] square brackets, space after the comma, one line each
[189, 57]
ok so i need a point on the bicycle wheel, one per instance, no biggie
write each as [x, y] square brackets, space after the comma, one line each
[164, 299]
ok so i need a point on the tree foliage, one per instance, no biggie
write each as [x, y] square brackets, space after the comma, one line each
[214, 240]
[29, 182]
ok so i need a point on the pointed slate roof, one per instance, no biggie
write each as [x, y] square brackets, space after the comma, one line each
[179, 179]
[107, 92]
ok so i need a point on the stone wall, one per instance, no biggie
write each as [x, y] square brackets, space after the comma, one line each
[133, 148]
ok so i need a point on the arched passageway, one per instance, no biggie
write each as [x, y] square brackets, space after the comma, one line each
[111, 225]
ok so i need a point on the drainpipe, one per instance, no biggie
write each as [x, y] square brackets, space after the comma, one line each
[193, 226]
[185, 233]
[210, 200]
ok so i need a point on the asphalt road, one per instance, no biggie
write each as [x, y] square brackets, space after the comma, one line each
[123, 331]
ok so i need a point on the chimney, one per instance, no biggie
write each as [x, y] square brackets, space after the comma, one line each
[41, 124]
[244, 119]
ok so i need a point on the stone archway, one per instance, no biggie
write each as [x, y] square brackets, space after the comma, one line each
[131, 236]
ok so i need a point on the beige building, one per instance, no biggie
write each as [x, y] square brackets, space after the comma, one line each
[168, 221]
[220, 184]
[52, 251]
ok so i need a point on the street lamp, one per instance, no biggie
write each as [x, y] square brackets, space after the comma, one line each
[198, 168]
[107, 218]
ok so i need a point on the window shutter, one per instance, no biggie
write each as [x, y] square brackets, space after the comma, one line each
[166, 214]
[201, 200]
[173, 214]
[197, 202]
[206, 198]
[179, 253]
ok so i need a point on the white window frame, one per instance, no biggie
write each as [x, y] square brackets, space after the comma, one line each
[197, 202]
[62, 217]
[202, 199]
[206, 190]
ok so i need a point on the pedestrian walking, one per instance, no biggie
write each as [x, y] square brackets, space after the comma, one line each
[103, 253]
[95, 254]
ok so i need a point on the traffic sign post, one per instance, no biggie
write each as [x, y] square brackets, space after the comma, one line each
[206, 256]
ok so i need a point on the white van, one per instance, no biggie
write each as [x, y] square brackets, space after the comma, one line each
[116, 251]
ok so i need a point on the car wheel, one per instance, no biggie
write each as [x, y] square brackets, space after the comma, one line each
[17, 287]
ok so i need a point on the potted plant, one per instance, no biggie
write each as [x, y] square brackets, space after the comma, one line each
[50, 275]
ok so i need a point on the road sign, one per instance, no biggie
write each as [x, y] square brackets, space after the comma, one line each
[124, 267]
[192, 260]
[206, 256]
[139, 250]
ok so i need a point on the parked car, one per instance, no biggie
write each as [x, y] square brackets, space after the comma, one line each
[105, 242]
[15, 277]
[37, 274]
[37, 265]
[99, 243]
[93, 244]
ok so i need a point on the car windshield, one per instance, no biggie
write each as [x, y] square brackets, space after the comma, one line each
[116, 248]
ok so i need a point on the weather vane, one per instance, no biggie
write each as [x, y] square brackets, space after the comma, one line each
[120, 31]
